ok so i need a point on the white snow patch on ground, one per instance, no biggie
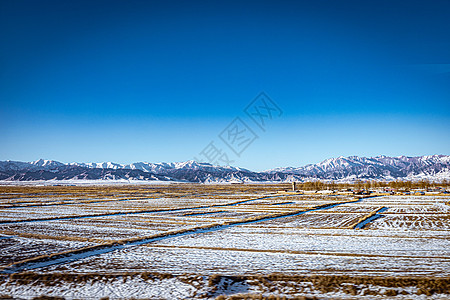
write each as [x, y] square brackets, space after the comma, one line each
[115, 289]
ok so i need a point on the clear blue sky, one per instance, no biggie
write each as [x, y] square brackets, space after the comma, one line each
[155, 81]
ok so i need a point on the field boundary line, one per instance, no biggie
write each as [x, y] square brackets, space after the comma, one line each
[293, 252]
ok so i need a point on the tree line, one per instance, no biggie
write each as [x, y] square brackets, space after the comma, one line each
[371, 184]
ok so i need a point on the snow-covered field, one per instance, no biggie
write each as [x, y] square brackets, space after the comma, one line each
[196, 242]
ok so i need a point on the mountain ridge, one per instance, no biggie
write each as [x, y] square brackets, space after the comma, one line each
[351, 168]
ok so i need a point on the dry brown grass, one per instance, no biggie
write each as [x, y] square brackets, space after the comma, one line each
[131, 212]
[175, 190]
[44, 297]
[321, 252]
[353, 285]
[49, 237]
[262, 297]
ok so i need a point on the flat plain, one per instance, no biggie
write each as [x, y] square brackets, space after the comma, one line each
[195, 241]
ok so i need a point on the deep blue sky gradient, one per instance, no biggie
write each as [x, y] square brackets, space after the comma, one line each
[155, 81]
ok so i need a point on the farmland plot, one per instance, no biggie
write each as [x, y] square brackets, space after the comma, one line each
[197, 241]
[15, 249]
[416, 213]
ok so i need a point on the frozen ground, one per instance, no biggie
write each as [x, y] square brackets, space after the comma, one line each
[409, 241]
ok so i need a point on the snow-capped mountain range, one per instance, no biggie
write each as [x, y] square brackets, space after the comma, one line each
[378, 168]
[432, 167]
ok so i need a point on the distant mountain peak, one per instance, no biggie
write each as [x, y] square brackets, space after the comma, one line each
[46, 163]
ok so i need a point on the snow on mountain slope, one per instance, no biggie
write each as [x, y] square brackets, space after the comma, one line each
[48, 164]
[434, 167]
[40, 164]
[156, 167]
[380, 167]
[10, 165]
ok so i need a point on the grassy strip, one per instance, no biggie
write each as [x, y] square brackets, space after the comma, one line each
[282, 203]
[204, 213]
[335, 283]
[249, 297]
[49, 237]
[318, 252]
[136, 190]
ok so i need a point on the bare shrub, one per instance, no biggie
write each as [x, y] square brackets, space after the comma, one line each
[48, 298]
